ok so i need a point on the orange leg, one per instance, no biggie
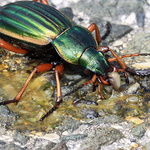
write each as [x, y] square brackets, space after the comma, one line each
[95, 84]
[103, 81]
[12, 48]
[93, 27]
[43, 1]
[38, 69]
[90, 81]
[99, 91]
[58, 71]
[105, 49]
[127, 55]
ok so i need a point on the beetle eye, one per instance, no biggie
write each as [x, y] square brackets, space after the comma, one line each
[87, 71]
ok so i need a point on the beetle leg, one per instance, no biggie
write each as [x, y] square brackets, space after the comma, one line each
[90, 81]
[103, 49]
[58, 71]
[125, 75]
[127, 55]
[39, 69]
[43, 1]
[93, 27]
[99, 87]
[103, 81]
[100, 92]
[12, 48]
[95, 84]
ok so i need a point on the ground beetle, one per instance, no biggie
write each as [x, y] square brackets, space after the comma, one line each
[35, 26]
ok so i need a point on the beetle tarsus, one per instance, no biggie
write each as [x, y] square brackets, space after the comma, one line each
[8, 102]
[100, 92]
[58, 101]
[48, 113]
[108, 30]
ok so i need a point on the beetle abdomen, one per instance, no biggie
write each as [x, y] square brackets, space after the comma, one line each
[32, 22]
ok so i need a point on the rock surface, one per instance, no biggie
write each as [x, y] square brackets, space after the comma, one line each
[120, 122]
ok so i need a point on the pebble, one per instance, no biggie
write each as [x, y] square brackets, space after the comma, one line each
[65, 133]
[52, 137]
[124, 45]
[56, 2]
[147, 146]
[117, 127]
[134, 145]
[133, 88]
[118, 43]
[131, 19]
[132, 100]
[148, 1]
[148, 132]
[5, 66]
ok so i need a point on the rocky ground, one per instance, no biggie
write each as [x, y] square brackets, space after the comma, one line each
[121, 122]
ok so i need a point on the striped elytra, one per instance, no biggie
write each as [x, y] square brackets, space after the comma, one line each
[35, 26]
[32, 22]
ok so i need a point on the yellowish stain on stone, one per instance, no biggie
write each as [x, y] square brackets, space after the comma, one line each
[135, 120]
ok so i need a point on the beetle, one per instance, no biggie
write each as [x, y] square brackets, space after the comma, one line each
[35, 26]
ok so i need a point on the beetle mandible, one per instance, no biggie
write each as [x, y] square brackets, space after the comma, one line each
[34, 26]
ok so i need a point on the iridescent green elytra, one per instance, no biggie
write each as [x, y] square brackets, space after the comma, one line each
[39, 25]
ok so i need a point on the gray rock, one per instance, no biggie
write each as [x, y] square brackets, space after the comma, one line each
[60, 146]
[107, 9]
[140, 17]
[147, 146]
[69, 124]
[19, 137]
[48, 146]
[89, 113]
[101, 136]
[11, 147]
[74, 137]
[2, 143]
[139, 131]
[6, 117]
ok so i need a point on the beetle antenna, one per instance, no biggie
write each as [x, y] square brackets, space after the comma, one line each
[108, 30]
